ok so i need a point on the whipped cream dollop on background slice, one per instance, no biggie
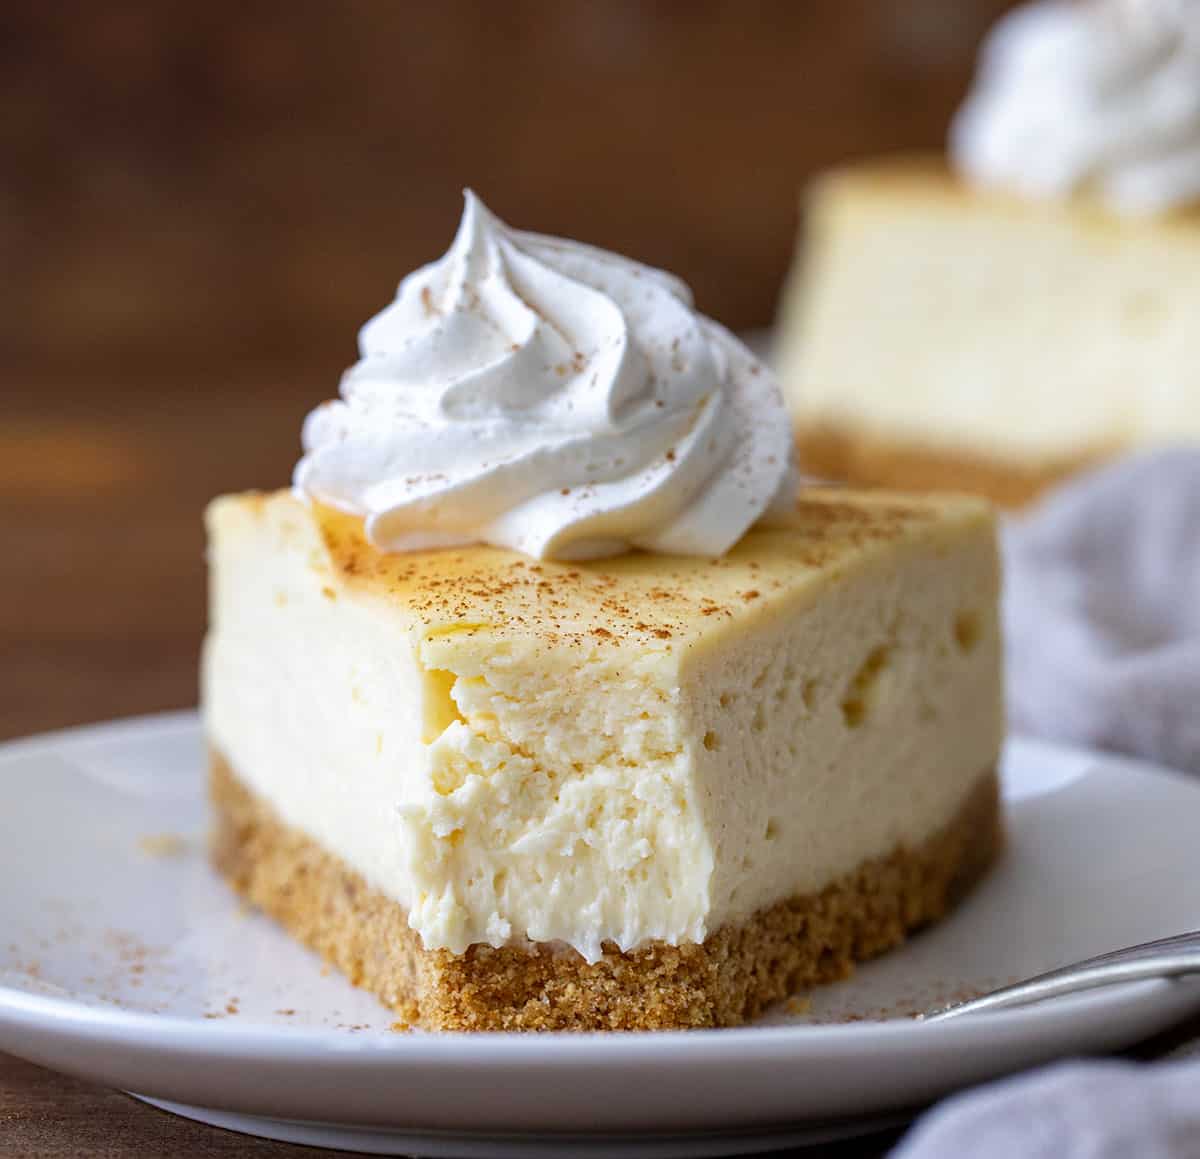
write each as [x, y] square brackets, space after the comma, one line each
[1101, 96]
[553, 398]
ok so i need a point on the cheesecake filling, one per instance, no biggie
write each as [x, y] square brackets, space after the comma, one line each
[1093, 96]
[506, 792]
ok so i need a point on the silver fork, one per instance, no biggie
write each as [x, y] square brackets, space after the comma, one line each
[1171, 957]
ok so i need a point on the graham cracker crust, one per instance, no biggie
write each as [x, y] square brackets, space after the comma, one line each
[728, 979]
[863, 459]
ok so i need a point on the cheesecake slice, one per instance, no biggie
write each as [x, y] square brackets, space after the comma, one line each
[941, 335]
[648, 791]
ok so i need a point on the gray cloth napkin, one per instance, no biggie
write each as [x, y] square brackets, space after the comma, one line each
[1102, 623]
[1102, 611]
[1097, 1110]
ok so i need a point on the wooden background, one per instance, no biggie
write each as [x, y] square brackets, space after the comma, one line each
[200, 202]
[242, 178]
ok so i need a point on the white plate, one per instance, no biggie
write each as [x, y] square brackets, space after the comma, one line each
[125, 961]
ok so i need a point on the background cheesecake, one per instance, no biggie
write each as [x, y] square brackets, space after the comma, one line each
[543, 702]
[997, 324]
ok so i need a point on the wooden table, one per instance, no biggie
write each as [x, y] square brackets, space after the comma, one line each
[47, 1115]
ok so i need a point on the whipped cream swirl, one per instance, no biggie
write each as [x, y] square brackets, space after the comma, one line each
[1094, 96]
[553, 398]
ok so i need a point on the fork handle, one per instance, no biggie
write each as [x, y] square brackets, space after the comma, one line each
[1171, 957]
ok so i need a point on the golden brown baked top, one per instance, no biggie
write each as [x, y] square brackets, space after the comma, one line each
[928, 176]
[656, 601]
